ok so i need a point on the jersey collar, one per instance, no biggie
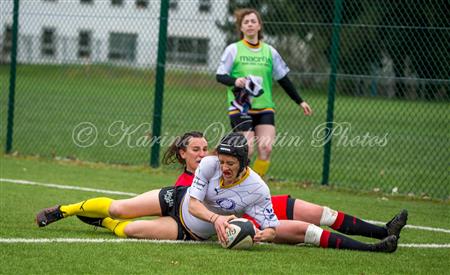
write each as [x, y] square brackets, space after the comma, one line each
[251, 46]
[244, 177]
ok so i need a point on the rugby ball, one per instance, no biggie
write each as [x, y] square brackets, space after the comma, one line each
[240, 234]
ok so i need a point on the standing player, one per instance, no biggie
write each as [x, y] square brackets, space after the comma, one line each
[246, 67]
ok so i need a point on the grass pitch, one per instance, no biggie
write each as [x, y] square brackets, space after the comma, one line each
[19, 204]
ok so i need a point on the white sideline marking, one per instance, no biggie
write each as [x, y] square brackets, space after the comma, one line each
[79, 240]
[59, 186]
[426, 228]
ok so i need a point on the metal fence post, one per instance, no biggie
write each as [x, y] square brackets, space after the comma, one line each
[334, 60]
[159, 86]
[12, 78]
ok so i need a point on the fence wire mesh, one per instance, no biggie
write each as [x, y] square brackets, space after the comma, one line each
[86, 77]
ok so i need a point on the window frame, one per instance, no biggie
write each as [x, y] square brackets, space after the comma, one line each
[118, 52]
[84, 50]
[188, 50]
[48, 49]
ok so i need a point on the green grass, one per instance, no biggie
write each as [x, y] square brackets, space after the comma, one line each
[52, 100]
[19, 203]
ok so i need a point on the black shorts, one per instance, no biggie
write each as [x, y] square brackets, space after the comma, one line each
[170, 200]
[247, 122]
[290, 208]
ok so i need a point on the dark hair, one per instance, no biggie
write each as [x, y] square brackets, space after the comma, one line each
[235, 144]
[240, 14]
[172, 153]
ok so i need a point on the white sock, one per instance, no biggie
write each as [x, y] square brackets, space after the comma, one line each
[329, 216]
[313, 234]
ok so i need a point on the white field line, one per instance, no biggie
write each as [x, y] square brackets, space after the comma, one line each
[59, 186]
[418, 227]
[77, 240]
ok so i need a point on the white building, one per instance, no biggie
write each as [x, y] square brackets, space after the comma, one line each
[117, 31]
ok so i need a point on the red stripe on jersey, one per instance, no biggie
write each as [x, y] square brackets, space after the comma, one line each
[185, 179]
[337, 224]
[324, 238]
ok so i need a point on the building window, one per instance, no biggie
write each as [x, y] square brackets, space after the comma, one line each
[117, 2]
[187, 50]
[48, 42]
[88, 2]
[173, 4]
[142, 4]
[204, 5]
[7, 42]
[122, 46]
[84, 44]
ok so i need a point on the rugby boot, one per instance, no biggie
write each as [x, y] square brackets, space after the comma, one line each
[91, 221]
[395, 225]
[49, 215]
[386, 245]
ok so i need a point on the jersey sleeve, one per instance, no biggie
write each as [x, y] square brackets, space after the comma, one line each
[280, 68]
[227, 60]
[203, 175]
[262, 212]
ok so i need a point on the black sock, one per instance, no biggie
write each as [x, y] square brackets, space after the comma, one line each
[338, 241]
[353, 226]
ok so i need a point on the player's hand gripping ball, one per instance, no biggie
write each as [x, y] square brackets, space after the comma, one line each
[240, 234]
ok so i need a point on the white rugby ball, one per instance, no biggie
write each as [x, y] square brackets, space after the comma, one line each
[240, 234]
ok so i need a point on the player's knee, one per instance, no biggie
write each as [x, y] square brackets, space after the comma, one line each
[130, 231]
[265, 149]
[116, 210]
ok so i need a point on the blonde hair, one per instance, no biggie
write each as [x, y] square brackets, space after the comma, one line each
[240, 14]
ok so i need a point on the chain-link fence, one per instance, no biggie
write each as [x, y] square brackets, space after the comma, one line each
[375, 73]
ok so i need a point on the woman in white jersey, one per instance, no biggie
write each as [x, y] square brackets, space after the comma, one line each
[224, 187]
[247, 68]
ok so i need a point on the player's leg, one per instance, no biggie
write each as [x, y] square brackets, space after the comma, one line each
[294, 232]
[95, 207]
[250, 136]
[243, 123]
[163, 228]
[265, 137]
[345, 223]
[146, 204]
[290, 232]
[101, 207]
